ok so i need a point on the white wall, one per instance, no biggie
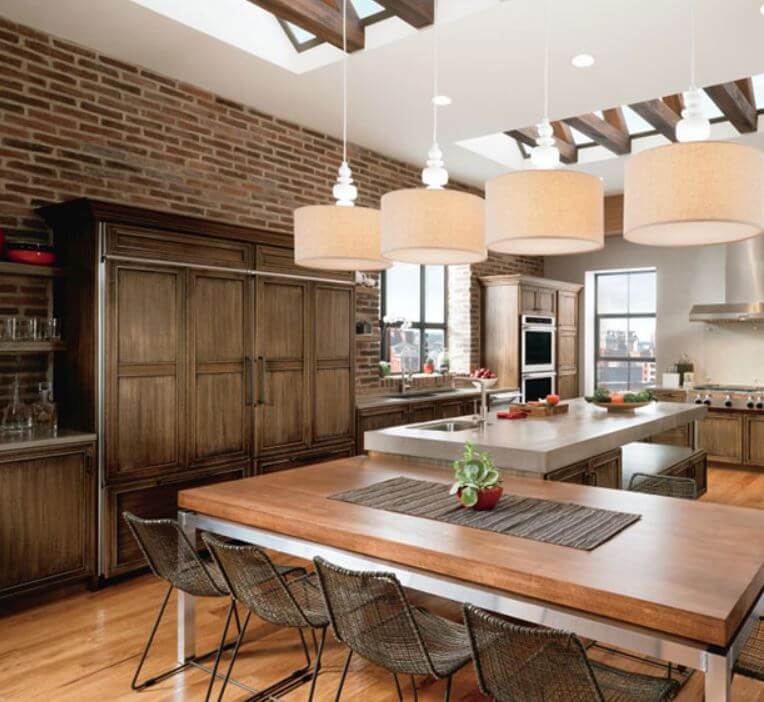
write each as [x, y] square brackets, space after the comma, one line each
[686, 276]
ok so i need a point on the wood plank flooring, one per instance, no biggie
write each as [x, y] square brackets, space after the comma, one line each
[84, 646]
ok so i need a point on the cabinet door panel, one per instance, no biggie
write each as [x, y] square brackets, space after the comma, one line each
[567, 385]
[545, 300]
[567, 309]
[528, 304]
[283, 359]
[567, 343]
[380, 420]
[721, 436]
[145, 371]
[754, 441]
[334, 359]
[220, 343]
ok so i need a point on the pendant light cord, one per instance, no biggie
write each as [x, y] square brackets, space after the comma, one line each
[345, 80]
[546, 60]
[692, 45]
[434, 71]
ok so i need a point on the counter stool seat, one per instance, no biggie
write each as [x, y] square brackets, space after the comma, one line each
[751, 661]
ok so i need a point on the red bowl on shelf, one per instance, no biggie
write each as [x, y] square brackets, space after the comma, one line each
[34, 254]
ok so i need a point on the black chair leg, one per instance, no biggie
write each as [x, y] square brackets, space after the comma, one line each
[398, 688]
[447, 696]
[147, 683]
[304, 648]
[231, 610]
[413, 689]
[344, 675]
[317, 664]
[234, 655]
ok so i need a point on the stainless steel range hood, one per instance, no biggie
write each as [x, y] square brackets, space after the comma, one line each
[744, 286]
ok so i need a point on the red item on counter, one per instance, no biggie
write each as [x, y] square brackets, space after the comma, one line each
[511, 415]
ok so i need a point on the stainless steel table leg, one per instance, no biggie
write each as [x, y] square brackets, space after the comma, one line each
[718, 677]
[186, 603]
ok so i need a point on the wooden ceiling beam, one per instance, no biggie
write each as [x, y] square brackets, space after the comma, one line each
[527, 136]
[735, 104]
[320, 17]
[418, 13]
[659, 115]
[605, 132]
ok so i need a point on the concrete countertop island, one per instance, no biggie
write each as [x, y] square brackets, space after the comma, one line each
[538, 444]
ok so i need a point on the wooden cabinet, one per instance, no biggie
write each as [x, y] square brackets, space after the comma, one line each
[567, 309]
[567, 350]
[721, 436]
[754, 440]
[600, 471]
[379, 418]
[567, 384]
[306, 458]
[537, 300]
[150, 499]
[145, 380]
[283, 365]
[680, 436]
[662, 459]
[220, 368]
[47, 517]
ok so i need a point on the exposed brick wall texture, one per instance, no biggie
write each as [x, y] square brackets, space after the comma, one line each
[76, 123]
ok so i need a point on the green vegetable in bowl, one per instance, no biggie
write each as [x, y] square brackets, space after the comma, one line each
[602, 395]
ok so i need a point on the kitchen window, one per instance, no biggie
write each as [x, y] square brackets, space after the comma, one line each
[416, 295]
[624, 328]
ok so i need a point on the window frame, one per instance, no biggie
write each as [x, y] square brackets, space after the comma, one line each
[421, 325]
[621, 315]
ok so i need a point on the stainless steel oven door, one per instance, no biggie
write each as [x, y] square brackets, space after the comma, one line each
[537, 352]
[536, 386]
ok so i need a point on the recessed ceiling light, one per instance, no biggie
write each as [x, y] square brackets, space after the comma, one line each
[441, 100]
[582, 60]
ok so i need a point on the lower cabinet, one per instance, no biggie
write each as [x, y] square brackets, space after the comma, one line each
[681, 436]
[696, 468]
[754, 440]
[151, 499]
[306, 458]
[600, 471]
[567, 384]
[47, 517]
[721, 436]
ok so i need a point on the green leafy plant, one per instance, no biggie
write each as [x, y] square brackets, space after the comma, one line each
[474, 471]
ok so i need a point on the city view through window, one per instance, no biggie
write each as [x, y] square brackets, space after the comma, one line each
[625, 329]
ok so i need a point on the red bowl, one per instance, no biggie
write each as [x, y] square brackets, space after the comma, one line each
[487, 499]
[35, 257]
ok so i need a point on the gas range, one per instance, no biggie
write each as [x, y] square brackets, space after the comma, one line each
[748, 397]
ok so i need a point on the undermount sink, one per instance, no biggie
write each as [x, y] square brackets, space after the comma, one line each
[418, 394]
[458, 425]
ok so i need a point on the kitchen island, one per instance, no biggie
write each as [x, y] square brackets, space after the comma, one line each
[583, 445]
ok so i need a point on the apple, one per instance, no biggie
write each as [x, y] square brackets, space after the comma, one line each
[553, 400]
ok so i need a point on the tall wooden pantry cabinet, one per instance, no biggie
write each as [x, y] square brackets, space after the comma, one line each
[199, 353]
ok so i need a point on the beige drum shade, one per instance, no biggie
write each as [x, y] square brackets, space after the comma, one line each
[338, 238]
[688, 194]
[439, 227]
[544, 213]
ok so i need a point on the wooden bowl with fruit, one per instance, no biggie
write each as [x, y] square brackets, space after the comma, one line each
[484, 377]
[620, 401]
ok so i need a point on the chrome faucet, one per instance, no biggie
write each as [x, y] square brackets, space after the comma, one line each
[406, 382]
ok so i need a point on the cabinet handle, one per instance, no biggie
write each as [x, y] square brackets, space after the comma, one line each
[592, 479]
[249, 379]
[261, 391]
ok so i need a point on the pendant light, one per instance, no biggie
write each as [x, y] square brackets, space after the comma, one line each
[544, 211]
[432, 225]
[340, 237]
[694, 192]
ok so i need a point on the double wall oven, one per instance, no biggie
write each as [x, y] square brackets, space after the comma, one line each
[537, 356]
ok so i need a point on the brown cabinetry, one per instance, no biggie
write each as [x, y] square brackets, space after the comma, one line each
[567, 309]
[567, 384]
[537, 300]
[600, 471]
[567, 349]
[721, 436]
[662, 459]
[47, 517]
[754, 440]
[680, 436]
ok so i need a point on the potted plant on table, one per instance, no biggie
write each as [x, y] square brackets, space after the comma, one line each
[478, 482]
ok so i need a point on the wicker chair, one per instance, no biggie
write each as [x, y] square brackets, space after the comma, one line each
[259, 585]
[666, 485]
[171, 557]
[370, 613]
[751, 661]
[515, 663]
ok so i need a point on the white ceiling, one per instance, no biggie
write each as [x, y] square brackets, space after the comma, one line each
[491, 54]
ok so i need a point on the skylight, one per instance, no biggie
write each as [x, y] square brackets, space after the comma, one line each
[367, 8]
[300, 34]
[634, 123]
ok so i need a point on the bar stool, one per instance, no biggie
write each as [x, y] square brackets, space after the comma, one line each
[254, 581]
[371, 614]
[750, 663]
[535, 664]
[666, 485]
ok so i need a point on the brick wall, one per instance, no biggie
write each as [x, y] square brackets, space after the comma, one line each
[77, 123]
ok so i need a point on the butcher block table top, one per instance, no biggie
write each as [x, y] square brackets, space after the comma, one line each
[686, 569]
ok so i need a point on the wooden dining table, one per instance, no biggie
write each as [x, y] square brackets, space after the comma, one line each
[684, 584]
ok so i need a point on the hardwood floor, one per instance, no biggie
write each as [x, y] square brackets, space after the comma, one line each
[85, 645]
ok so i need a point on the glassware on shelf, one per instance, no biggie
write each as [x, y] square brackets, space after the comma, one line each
[26, 329]
[17, 416]
[44, 411]
[8, 329]
[53, 329]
